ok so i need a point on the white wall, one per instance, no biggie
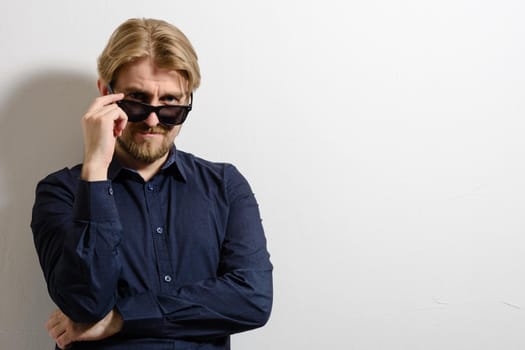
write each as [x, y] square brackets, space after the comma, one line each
[384, 141]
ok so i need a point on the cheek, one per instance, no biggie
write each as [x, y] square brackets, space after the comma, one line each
[175, 131]
[128, 131]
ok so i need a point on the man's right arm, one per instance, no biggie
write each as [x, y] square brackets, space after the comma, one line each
[75, 222]
[76, 231]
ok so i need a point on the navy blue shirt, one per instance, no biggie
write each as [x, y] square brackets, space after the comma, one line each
[182, 257]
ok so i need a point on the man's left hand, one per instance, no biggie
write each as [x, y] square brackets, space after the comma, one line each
[65, 332]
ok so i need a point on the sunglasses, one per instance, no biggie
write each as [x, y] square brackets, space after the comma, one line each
[169, 115]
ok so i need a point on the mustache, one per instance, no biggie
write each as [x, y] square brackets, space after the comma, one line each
[143, 127]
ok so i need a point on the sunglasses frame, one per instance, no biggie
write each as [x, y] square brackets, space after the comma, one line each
[148, 109]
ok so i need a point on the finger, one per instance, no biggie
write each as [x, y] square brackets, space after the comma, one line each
[120, 125]
[56, 325]
[57, 331]
[109, 112]
[110, 98]
[113, 118]
[64, 341]
[116, 113]
[105, 100]
[53, 319]
[102, 111]
[120, 119]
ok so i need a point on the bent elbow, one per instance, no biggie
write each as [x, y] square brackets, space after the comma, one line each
[260, 319]
[262, 307]
[83, 308]
[263, 315]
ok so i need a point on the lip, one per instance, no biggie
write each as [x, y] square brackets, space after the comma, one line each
[149, 135]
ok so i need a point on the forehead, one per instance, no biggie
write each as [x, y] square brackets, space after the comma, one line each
[144, 75]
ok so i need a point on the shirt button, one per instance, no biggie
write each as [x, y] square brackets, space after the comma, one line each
[159, 230]
[110, 191]
[150, 187]
[167, 278]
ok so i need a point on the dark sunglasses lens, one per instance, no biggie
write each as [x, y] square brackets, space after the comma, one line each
[170, 115]
[173, 115]
[135, 111]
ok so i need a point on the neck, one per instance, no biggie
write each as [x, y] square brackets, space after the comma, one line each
[146, 170]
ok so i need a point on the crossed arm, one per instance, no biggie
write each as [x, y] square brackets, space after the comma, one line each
[82, 268]
[65, 331]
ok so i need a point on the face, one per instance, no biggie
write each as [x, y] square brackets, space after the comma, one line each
[149, 140]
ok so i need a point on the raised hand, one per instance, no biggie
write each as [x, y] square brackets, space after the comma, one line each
[102, 124]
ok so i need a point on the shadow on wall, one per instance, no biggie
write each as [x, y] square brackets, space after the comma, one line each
[40, 132]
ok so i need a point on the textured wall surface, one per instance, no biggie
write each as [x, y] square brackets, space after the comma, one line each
[383, 140]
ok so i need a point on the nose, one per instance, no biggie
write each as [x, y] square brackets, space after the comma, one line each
[152, 119]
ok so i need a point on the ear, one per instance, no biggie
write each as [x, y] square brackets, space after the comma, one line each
[102, 87]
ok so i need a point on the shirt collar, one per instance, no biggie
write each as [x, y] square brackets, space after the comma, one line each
[172, 165]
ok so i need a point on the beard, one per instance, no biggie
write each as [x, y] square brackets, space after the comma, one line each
[146, 151]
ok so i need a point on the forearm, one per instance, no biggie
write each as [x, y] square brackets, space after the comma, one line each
[212, 308]
[76, 234]
[83, 281]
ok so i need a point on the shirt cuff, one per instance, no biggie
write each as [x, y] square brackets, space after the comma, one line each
[94, 201]
[140, 312]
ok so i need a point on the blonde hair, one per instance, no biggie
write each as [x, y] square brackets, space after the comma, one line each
[161, 41]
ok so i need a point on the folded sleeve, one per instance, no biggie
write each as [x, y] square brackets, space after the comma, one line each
[76, 231]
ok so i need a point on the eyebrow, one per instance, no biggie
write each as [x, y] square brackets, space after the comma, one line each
[128, 90]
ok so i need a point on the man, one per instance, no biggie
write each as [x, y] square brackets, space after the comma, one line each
[144, 246]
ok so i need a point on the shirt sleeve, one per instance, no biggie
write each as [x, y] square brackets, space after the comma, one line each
[76, 232]
[238, 299]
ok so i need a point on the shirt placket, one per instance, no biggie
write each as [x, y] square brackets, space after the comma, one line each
[159, 234]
